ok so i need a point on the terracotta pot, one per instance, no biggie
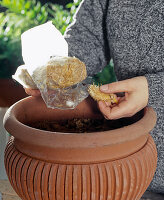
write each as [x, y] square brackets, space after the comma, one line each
[10, 92]
[112, 165]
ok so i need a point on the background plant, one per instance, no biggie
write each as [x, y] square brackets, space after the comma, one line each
[107, 75]
[62, 16]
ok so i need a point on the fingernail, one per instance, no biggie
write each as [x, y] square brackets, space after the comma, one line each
[104, 87]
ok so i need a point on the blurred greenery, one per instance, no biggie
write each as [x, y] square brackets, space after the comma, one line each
[107, 75]
[21, 15]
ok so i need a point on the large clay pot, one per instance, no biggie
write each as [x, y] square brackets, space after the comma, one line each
[112, 165]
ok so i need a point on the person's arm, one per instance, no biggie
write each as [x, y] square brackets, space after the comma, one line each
[156, 89]
[86, 36]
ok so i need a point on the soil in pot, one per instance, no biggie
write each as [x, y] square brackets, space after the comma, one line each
[86, 125]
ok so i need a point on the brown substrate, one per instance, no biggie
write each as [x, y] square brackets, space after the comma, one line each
[84, 125]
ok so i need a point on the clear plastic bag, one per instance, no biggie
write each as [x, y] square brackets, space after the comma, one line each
[62, 85]
[66, 98]
[62, 82]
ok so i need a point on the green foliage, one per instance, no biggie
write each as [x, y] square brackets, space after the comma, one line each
[19, 16]
[63, 16]
[106, 76]
[59, 16]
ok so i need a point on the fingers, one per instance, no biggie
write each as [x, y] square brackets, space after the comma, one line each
[32, 92]
[125, 108]
[105, 109]
[116, 87]
[135, 99]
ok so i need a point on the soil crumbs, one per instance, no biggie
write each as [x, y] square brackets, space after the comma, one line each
[81, 125]
[74, 125]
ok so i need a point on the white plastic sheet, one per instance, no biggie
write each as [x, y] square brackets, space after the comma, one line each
[40, 43]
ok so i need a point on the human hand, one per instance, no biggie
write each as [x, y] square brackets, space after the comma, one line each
[32, 92]
[135, 99]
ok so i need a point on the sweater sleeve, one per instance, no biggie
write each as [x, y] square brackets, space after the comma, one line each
[156, 89]
[86, 36]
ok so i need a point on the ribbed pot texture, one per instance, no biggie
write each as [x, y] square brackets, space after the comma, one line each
[111, 165]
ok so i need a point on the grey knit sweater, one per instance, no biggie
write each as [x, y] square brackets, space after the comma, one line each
[131, 32]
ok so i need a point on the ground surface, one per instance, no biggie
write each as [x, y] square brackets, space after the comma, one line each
[152, 196]
[7, 193]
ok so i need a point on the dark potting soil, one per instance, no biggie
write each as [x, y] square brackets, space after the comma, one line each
[85, 125]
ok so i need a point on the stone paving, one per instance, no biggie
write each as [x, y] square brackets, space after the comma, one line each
[152, 196]
[7, 193]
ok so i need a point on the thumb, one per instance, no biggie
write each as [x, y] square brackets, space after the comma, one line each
[116, 87]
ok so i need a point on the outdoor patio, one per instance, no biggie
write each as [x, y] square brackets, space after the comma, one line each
[33, 14]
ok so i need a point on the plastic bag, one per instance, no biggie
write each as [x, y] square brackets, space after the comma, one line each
[41, 46]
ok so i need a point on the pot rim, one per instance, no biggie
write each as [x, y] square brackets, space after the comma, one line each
[135, 135]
